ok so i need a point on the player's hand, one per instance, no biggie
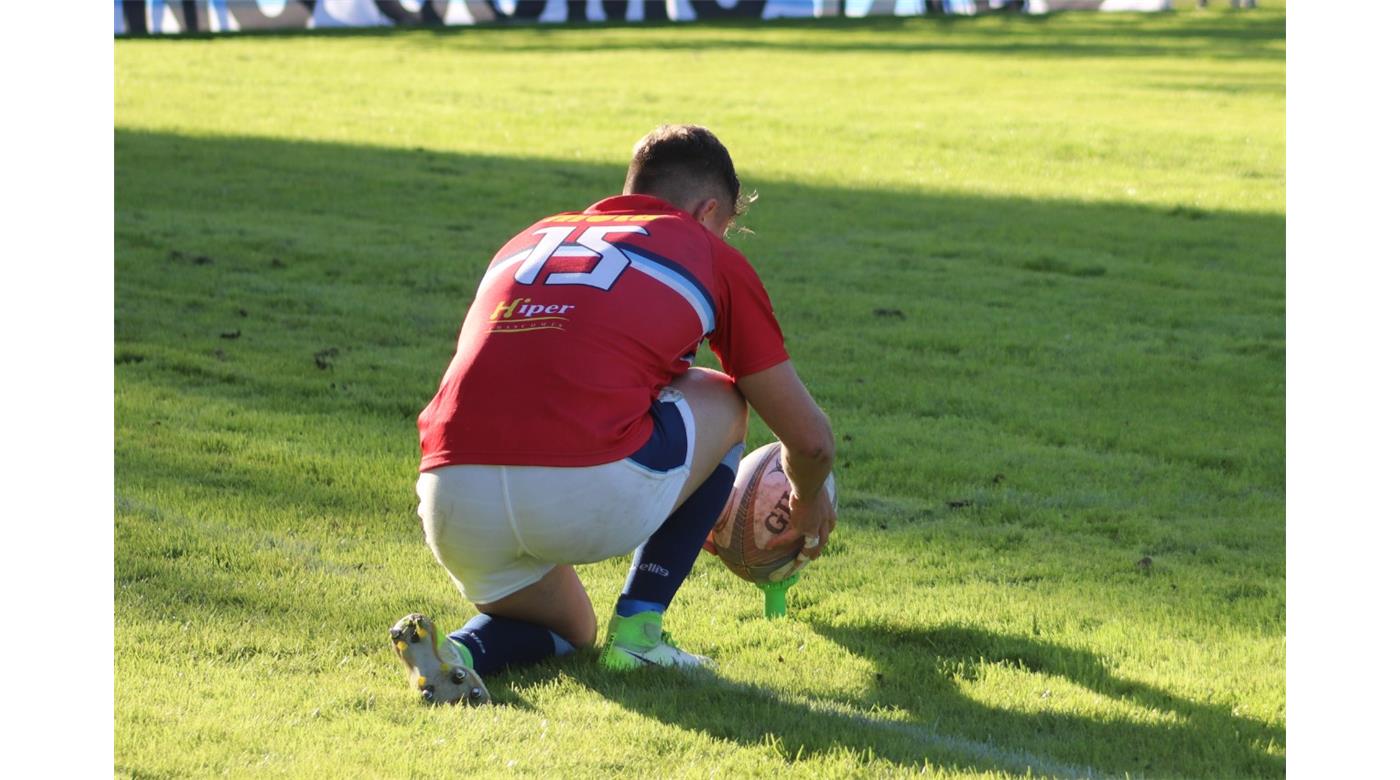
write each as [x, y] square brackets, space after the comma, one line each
[812, 521]
[819, 515]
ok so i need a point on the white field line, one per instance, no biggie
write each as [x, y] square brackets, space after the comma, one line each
[1012, 759]
[1019, 760]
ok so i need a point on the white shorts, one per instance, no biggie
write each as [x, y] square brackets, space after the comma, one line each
[497, 529]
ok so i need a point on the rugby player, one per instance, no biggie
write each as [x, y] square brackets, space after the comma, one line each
[571, 426]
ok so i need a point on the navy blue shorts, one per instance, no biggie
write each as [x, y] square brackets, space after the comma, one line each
[672, 441]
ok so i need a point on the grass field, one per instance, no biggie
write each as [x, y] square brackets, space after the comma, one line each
[1032, 267]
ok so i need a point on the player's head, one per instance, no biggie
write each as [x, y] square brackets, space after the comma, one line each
[688, 167]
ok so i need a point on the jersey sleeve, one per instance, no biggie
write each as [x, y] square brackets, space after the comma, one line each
[747, 338]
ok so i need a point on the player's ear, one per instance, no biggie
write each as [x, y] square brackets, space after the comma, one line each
[707, 213]
[705, 209]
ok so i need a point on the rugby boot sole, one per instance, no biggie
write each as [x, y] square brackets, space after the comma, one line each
[436, 680]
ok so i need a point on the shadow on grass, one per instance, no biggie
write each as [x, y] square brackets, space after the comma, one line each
[1101, 309]
[918, 670]
[917, 675]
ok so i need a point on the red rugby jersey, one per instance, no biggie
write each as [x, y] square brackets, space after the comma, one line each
[579, 323]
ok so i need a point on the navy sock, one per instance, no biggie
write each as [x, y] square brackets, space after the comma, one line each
[662, 563]
[497, 642]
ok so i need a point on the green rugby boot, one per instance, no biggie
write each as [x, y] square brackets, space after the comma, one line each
[638, 641]
[439, 670]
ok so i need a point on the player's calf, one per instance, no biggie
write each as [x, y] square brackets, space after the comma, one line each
[659, 566]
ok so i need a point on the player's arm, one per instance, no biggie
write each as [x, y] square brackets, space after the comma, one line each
[780, 398]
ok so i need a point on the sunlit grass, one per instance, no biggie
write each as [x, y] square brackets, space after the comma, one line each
[1032, 268]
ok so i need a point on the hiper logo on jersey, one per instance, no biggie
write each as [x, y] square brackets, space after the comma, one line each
[521, 316]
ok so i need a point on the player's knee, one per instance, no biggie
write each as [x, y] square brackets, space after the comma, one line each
[582, 633]
[740, 431]
[717, 383]
[707, 378]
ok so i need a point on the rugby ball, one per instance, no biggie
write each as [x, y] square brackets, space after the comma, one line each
[756, 512]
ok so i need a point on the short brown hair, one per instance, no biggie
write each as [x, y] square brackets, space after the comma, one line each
[681, 162]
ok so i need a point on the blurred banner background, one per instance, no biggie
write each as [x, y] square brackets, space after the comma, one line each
[142, 17]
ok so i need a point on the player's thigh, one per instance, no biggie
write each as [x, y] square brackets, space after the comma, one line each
[467, 522]
[721, 421]
[557, 602]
